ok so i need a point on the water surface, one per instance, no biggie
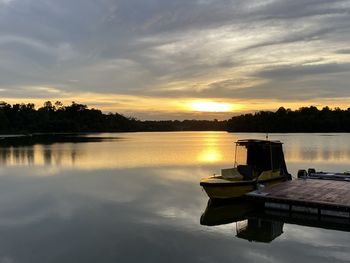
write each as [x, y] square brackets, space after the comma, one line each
[135, 197]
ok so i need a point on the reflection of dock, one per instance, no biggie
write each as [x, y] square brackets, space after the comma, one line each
[255, 223]
[325, 222]
[315, 197]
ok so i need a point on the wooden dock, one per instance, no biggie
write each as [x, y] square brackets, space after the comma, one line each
[311, 196]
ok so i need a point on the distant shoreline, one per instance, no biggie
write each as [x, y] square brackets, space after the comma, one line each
[22, 135]
[24, 119]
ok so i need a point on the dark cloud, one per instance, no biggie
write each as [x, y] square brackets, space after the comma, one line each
[343, 51]
[301, 82]
[303, 36]
[295, 82]
[300, 71]
[299, 8]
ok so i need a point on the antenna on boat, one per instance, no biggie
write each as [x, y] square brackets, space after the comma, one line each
[235, 163]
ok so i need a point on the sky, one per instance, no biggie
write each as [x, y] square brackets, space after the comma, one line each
[182, 59]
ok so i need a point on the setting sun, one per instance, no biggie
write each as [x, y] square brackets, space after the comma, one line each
[209, 106]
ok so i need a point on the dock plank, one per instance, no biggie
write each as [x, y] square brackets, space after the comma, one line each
[308, 191]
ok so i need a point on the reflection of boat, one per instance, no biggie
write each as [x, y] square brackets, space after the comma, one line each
[220, 213]
[248, 226]
[256, 162]
[259, 230]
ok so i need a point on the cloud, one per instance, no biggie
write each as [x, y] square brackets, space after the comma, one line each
[303, 82]
[343, 51]
[161, 48]
[6, 2]
[293, 71]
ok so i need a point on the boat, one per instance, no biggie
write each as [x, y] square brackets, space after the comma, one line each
[258, 163]
[312, 174]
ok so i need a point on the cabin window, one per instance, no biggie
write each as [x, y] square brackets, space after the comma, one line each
[276, 152]
[259, 157]
[241, 155]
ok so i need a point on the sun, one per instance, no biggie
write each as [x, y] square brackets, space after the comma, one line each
[210, 106]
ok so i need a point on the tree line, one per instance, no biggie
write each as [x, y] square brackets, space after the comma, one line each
[56, 117]
[305, 119]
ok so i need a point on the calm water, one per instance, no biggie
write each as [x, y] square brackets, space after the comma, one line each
[135, 197]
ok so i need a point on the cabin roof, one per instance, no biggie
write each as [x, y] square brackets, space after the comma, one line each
[258, 142]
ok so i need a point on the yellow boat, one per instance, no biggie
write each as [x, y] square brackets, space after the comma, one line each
[257, 162]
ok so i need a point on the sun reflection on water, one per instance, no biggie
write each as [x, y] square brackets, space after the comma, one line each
[169, 149]
[138, 150]
[209, 155]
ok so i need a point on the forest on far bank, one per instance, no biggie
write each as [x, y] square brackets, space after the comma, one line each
[59, 118]
[305, 119]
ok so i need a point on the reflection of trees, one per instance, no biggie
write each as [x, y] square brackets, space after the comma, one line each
[17, 152]
[331, 153]
[73, 155]
[47, 153]
[30, 156]
[38, 155]
[4, 155]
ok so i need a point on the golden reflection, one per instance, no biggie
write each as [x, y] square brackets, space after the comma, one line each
[210, 155]
[318, 155]
[179, 149]
[134, 150]
[212, 152]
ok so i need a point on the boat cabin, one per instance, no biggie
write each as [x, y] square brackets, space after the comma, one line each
[253, 157]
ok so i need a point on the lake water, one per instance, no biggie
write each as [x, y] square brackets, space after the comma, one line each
[135, 197]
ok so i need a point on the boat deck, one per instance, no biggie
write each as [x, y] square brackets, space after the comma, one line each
[322, 197]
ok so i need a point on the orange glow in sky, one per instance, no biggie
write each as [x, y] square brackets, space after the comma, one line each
[149, 108]
[210, 106]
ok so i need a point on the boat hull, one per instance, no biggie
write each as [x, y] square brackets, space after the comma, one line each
[226, 189]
